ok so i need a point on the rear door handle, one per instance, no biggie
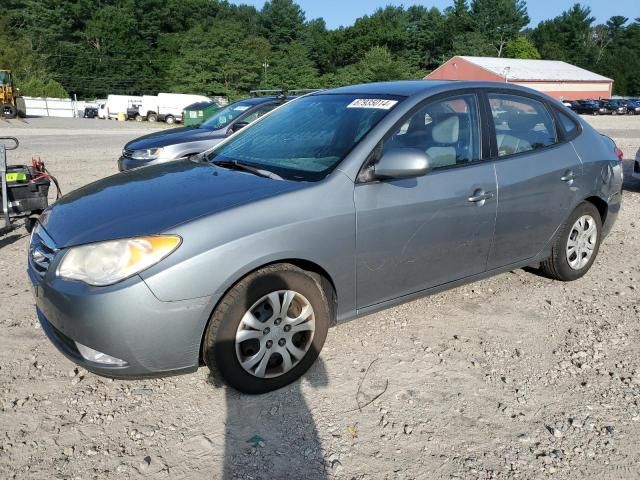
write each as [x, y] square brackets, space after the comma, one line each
[480, 196]
[568, 176]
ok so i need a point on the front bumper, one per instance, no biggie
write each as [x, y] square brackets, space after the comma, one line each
[125, 321]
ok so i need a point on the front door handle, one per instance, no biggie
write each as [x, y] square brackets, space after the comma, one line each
[568, 176]
[479, 197]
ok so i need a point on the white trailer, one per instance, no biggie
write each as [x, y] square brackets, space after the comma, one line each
[119, 104]
[167, 107]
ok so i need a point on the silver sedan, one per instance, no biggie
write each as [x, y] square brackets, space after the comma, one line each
[333, 206]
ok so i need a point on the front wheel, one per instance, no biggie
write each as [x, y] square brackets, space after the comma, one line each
[9, 111]
[268, 329]
[576, 246]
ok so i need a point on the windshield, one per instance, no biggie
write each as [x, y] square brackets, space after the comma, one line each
[226, 115]
[307, 138]
[5, 78]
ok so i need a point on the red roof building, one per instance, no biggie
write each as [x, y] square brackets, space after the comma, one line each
[560, 80]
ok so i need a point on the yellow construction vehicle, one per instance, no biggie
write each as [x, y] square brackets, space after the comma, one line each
[8, 97]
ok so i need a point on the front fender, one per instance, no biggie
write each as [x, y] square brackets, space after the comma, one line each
[315, 224]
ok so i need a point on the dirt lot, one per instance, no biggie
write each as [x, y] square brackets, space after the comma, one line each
[513, 377]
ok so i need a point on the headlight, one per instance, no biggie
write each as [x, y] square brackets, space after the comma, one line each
[148, 154]
[106, 263]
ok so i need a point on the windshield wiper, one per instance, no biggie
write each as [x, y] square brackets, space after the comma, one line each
[235, 165]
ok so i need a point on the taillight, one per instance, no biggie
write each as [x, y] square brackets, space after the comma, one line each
[619, 153]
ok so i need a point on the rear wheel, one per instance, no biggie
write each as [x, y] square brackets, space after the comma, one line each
[576, 246]
[268, 329]
[152, 117]
[170, 119]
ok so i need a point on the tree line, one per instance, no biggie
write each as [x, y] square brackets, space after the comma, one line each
[92, 48]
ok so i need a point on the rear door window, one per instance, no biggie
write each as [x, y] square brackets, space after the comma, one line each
[569, 125]
[522, 124]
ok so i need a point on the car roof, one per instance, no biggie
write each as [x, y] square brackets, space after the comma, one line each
[422, 88]
[260, 100]
[405, 88]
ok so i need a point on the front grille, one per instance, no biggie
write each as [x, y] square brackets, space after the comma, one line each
[42, 249]
[127, 153]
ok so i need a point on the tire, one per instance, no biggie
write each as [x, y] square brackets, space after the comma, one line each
[170, 119]
[139, 118]
[152, 117]
[223, 350]
[9, 111]
[31, 221]
[565, 266]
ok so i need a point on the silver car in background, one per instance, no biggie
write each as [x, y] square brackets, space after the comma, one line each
[339, 204]
[184, 142]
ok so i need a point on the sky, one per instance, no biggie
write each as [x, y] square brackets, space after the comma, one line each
[343, 12]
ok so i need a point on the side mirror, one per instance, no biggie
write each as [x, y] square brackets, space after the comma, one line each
[237, 126]
[402, 163]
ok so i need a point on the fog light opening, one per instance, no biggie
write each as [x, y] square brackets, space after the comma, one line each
[98, 357]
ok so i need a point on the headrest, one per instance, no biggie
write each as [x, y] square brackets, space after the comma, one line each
[446, 129]
[522, 122]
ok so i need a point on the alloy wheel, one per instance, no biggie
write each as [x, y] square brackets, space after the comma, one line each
[582, 242]
[275, 334]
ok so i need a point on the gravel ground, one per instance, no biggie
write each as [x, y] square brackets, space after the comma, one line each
[515, 377]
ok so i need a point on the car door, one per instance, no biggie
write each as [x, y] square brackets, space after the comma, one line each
[536, 174]
[417, 233]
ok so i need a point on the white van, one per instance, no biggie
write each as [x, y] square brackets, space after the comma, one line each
[102, 110]
[119, 104]
[167, 107]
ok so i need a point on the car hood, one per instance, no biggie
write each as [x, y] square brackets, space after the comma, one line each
[152, 200]
[173, 136]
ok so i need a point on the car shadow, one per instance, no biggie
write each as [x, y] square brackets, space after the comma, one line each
[273, 435]
[7, 239]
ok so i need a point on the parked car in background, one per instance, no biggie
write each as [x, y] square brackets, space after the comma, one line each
[339, 204]
[179, 143]
[90, 112]
[133, 111]
[617, 107]
[166, 107]
[590, 107]
[633, 107]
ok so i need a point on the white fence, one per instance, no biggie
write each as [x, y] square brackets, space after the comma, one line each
[50, 107]
[66, 107]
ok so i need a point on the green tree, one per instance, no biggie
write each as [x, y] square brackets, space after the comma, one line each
[521, 47]
[291, 67]
[377, 65]
[29, 71]
[218, 59]
[568, 37]
[499, 21]
[281, 22]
